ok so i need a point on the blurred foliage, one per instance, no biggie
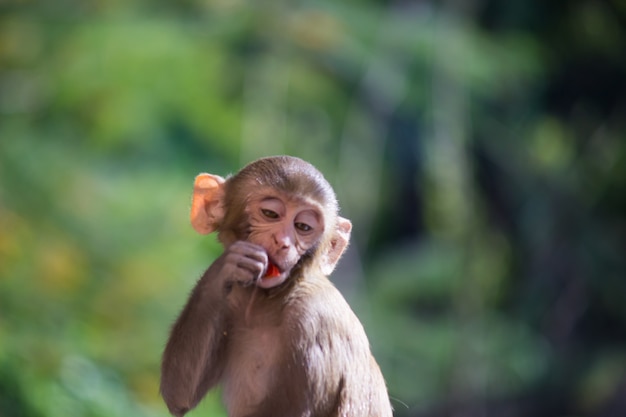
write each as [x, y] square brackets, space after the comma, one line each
[477, 147]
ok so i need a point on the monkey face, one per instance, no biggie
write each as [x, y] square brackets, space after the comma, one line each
[286, 228]
[281, 204]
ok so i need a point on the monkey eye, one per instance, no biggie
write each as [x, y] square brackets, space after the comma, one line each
[303, 227]
[270, 214]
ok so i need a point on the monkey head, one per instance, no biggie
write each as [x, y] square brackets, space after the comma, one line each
[282, 204]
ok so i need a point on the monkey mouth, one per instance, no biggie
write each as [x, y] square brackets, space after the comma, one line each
[273, 276]
[272, 270]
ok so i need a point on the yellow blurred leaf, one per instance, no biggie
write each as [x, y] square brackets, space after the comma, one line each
[61, 266]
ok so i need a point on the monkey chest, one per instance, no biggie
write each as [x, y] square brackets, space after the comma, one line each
[254, 355]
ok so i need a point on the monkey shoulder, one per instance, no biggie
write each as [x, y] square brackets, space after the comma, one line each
[332, 343]
[320, 314]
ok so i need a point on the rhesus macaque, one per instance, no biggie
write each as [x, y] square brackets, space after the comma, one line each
[264, 321]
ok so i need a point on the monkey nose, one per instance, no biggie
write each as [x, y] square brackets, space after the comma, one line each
[282, 240]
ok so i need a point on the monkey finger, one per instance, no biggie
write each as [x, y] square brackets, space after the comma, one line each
[235, 269]
[252, 267]
[255, 253]
[258, 256]
[241, 246]
[250, 250]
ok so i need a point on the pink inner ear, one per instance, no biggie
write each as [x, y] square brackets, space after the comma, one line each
[206, 211]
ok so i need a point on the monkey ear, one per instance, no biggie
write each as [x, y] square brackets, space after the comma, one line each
[338, 244]
[207, 208]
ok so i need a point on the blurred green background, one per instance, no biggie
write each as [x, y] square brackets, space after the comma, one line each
[478, 148]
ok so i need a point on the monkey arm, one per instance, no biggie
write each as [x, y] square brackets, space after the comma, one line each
[196, 352]
[189, 368]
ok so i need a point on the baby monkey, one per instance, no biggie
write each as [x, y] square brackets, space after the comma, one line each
[264, 321]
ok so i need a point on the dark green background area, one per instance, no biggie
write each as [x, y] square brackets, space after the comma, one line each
[477, 147]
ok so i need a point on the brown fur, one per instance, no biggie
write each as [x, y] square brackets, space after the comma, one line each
[295, 349]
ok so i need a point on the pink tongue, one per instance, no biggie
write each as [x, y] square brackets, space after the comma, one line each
[272, 271]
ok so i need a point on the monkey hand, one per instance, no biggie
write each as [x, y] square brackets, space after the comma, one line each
[242, 262]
